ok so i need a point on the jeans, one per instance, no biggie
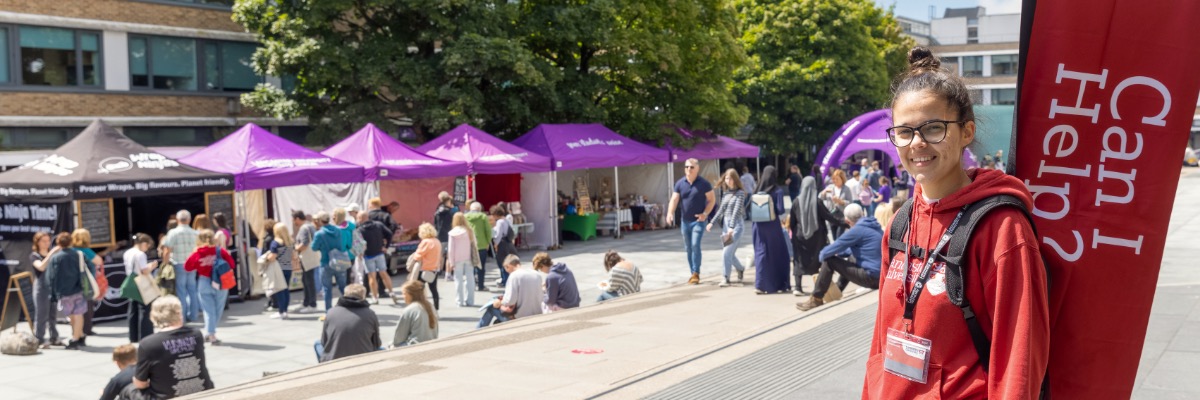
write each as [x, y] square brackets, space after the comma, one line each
[45, 311]
[185, 288]
[139, 321]
[606, 295]
[328, 278]
[503, 272]
[212, 300]
[483, 257]
[731, 260]
[308, 279]
[849, 272]
[692, 233]
[464, 281]
[491, 315]
[284, 297]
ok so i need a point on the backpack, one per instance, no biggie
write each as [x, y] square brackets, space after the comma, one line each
[955, 256]
[339, 259]
[761, 207]
[222, 272]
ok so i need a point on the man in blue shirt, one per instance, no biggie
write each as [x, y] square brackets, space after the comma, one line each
[863, 240]
[695, 195]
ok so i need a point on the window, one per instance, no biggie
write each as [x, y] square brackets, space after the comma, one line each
[1004, 96]
[976, 96]
[950, 64]
[56, 56]
[295, 134]
[35, 138]
[4, 55]
[972, 66]
[1004, 65]
[172, 135]
[167, 63]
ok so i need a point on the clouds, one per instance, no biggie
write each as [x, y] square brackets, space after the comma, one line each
[1001, 6]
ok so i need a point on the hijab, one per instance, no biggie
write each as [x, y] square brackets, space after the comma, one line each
[805, 208]
[767, 184]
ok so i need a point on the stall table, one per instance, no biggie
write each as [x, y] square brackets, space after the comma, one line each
[523, 230]
[613, 220]
[583, 226]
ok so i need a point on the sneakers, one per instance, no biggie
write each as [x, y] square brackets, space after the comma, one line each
[799, 292]
[278, 316]
[813, 302]
[75, 344]
[724, 283]
[741, 273]
[304, 310]
[695, 280]
[374, 300]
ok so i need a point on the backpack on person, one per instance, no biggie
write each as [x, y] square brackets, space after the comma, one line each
[955, 257]
[761, 207]
[222, 272]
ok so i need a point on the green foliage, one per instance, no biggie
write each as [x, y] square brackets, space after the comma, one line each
[504, 66]
[814, 64]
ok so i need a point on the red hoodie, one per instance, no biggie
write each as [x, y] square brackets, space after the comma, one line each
[202, 259]
[1005, 284]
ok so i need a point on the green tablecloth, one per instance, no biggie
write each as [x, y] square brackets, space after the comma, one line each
[583, 226]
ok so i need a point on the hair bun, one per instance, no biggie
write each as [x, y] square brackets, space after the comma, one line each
[921, 59]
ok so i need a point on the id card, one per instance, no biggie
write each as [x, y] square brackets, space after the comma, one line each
[907, 356]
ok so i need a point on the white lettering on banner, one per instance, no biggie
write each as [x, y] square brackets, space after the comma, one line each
[838, 142]
[1116, 150]
[18, 192]
[411, 162]
[146, 186]
[21, 212]
[594, 142]
[53, 164]
[289, 162]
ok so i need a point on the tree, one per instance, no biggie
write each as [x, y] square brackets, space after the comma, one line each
[504, 66]
[814, 64]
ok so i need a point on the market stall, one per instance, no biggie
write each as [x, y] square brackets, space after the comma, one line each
[259, 159]
[499, 171]
[591, 147]
[92, 182]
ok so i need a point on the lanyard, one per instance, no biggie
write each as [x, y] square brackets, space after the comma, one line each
[910, 303]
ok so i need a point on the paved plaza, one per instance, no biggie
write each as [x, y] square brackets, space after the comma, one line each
[671, 341]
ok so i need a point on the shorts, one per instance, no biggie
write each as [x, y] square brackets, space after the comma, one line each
[375, 264]
[72, 305]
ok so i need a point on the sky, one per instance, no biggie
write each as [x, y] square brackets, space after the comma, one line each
[919, 9]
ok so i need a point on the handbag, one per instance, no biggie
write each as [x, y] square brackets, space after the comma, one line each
[147, 288]
[273, 281]
[129, 288]
[727, 238]
[339, 260]
[89, 284]
[762, 207]
[222, 272]
[309, 259]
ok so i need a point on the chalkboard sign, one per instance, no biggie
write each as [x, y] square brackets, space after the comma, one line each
[97, 217]
[460, 190]
[220, 202]
[14, 300]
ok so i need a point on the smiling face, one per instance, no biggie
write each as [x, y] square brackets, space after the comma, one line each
[937, 167]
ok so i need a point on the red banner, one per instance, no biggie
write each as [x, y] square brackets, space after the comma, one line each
[1107, 94]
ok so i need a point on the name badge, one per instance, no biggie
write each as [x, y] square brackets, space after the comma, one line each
[907, 356]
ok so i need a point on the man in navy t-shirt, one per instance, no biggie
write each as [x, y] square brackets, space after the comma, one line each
[695, 195]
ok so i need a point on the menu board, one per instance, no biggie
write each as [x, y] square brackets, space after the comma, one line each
[460, 190]
[97, 217]
[220, 202]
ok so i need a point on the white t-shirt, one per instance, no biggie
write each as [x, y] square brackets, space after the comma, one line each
[134, 258]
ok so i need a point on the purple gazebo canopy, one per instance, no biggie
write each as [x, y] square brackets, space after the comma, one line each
[385, 158]
[712, 147]
[484, 153]
[262, 160]
[866, 132]
[579, 146]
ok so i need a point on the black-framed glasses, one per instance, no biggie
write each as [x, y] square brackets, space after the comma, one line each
[932, 132]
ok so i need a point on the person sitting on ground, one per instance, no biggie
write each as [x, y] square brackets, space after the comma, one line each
[418, 322]
[350, 329]
[562, 292]
[863, 241]
[171, 362]
[522, 295]
[623, 277]
[125, 357]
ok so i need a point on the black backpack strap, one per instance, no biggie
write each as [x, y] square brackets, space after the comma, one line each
[900, 220]
[954, 258]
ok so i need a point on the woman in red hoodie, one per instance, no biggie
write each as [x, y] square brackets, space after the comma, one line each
[930, 353]
[212, 297]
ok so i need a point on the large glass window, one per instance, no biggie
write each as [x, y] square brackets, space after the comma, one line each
[1004, 96]
[58, 57]
[189, 64]
[4, 55]
[972, 66]
[1004, 65]
[950, 64]
[35, 138]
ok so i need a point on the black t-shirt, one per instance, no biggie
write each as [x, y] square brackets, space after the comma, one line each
[173, 363]
[118, 382]
[794, 185]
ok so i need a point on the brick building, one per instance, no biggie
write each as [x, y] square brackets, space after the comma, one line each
[165, 72]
